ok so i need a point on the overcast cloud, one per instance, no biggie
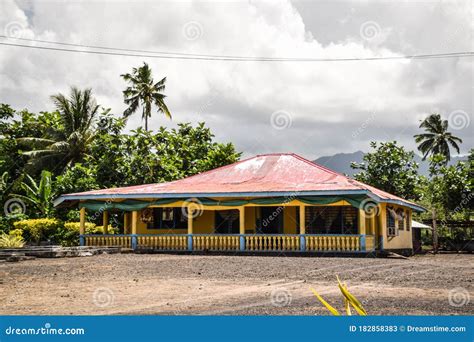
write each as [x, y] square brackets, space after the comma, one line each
[310, 108]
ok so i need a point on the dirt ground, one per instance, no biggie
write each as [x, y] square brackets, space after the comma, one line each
[166, 284]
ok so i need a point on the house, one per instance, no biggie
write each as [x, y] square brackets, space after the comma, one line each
[272, 202]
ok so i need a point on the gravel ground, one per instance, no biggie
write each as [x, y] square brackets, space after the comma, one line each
[222, 285]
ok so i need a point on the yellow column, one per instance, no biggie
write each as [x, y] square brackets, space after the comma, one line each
[134, 221]
[242, 228]
[105, 221]
[381, 228]
[82, 221]
[242, 220]
[362, 227]
[302, 220]
[190, 220]
[125, 222]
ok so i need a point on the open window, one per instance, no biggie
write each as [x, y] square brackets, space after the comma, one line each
[391, 228]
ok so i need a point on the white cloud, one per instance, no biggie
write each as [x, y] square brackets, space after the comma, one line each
[327, 101]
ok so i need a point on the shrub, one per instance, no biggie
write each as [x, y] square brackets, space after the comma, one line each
[68, 235]
[74, 226]
[6, 222]
[37, 230]
[11, 241]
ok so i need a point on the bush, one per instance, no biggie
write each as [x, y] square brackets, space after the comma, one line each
[68, 235]
[11, 241]
[37, 230]
[6, 222]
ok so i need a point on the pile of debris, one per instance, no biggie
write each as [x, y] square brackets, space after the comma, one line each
[31, 252]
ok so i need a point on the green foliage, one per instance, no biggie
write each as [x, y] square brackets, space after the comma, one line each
[437, 139]
[77, 178]
[143, 91]
[38, 195]
[7, 221]
[390, 168]
[11, 241]
[36, 230]
[70, 132]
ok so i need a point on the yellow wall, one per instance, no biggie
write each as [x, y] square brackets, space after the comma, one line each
[289, 220]
[403, 239]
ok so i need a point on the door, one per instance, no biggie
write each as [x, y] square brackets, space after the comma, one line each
[271, 220]
[227, 222]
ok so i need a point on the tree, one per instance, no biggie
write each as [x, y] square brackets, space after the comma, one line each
[40, 196]
[390, 168]
[437, 139]
[143, 92]
[67, 142]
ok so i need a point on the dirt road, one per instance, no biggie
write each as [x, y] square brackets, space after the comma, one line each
[222, 285]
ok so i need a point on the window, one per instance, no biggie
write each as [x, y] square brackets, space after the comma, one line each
[165, 218]
[401, 219]
[391, 230]
[331, 220]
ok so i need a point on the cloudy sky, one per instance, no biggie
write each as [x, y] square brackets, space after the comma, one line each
[311, 108]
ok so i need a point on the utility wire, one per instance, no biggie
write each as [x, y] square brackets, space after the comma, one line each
[183, 56]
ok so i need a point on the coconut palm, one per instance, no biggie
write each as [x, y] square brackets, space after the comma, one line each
[69, 143]
[437, 139]
[142, 91]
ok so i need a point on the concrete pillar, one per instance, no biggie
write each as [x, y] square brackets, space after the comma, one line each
[242, 228]
[302, 228]
[105, 221]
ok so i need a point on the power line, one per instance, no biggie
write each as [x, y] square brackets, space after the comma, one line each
[182, 56]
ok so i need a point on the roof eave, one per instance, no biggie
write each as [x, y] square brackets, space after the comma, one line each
[63, 198]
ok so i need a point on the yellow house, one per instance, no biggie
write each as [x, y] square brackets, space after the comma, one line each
[268, 203]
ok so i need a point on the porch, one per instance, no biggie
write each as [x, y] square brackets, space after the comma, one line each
[290, 226]
[236, 242]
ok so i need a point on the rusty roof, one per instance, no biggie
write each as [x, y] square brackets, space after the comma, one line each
[275, 174]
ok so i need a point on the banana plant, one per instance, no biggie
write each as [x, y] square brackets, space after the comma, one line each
[349, 301]
[40, 195]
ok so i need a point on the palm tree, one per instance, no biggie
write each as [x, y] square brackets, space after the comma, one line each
[40, 196]
[145, 93]
[437, 139]
[68, 144]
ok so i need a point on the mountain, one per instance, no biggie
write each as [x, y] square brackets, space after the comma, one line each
[341, 162]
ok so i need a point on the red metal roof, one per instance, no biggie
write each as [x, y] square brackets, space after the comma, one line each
[268, 173]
